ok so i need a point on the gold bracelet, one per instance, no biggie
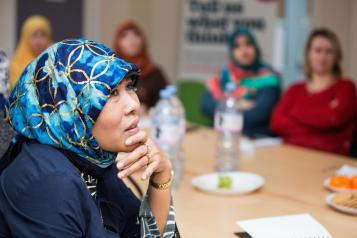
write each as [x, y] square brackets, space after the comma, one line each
[162, 186]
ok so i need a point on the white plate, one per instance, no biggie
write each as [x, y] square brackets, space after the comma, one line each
[327, 185]
[242, 183]
[340, 208]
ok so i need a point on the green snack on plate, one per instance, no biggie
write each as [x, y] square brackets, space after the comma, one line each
[224, 182]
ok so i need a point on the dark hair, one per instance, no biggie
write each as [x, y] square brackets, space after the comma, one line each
[332, 37]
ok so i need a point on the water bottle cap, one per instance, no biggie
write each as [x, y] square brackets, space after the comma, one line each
[164, 94]
[230, 86]
[172, 89]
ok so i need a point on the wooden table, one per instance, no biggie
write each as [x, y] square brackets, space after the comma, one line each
[294, 178]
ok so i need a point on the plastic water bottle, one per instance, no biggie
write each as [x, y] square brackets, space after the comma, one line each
[228, 123]
[176, 102]
[172, 89]
[167, 132]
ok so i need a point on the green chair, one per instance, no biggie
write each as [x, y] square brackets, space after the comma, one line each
[190, 92]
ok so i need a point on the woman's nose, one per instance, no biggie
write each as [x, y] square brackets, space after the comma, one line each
[132, 103]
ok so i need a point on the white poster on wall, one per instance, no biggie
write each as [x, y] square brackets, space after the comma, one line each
[207, 23]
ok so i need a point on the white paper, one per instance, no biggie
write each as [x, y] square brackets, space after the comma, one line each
[246, 145]
[293, 226]
[347, 170]
[267, 141]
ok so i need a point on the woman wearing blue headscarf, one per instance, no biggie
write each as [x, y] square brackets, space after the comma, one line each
[257, 85]
[74, 108]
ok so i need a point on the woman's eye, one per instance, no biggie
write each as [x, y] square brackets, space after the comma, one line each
[131, 87]
[329, 51]
[115, 92]
[318, 50]
[249, 44]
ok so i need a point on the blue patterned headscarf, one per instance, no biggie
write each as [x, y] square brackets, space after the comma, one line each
[60, 94]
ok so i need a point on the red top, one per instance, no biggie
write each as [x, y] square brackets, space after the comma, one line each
[324, 121]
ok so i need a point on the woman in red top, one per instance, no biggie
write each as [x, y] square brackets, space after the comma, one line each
[321, 112]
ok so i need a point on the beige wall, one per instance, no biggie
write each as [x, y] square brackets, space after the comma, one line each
[161, 18]
[158, 18]
[341, 17]
[353, 42]
[7, 26]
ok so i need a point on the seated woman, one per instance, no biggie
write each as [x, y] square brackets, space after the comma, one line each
[130, 43]
[35, 37]
[4, 79]
[75, 108]
[258, 87]
[6, 133]
[320, 112]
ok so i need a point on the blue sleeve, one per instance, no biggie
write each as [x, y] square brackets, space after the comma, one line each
[259, 115]
[208, 104]
[57, 206]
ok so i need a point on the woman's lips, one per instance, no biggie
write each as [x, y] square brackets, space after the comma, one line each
[133, 128]
[132, 131]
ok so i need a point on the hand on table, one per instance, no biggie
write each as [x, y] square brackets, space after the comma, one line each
[246, 104]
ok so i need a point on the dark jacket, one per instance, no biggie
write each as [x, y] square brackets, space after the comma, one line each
[43, 195]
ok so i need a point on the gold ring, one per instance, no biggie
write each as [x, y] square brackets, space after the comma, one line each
[149, 157]
[148, 153]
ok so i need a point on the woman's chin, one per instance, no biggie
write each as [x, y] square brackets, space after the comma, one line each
[128, 149]
[120, 147]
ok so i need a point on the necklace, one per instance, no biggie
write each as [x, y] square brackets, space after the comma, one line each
[91, 183]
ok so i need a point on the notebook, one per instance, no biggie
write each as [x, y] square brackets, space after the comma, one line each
[293, 226]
